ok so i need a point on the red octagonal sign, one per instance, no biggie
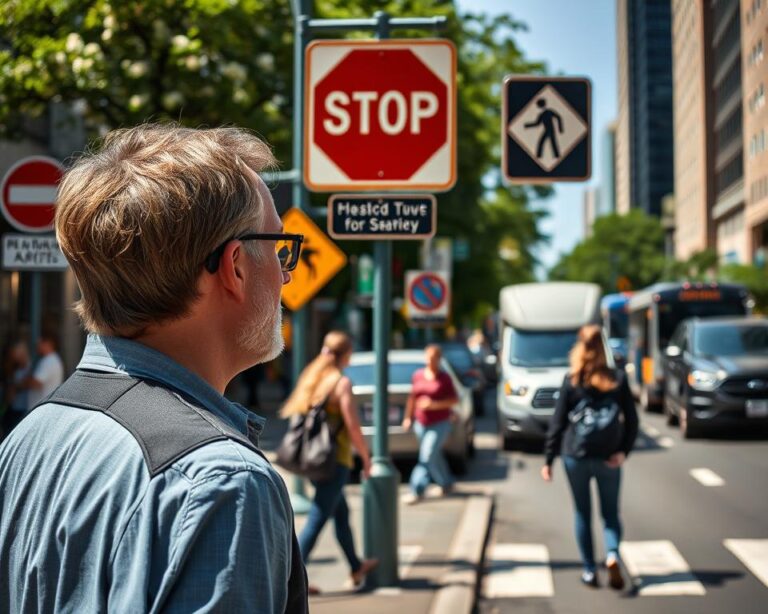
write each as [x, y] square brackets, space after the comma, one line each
[380, 115]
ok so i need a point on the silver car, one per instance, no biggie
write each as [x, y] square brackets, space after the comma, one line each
[459, 447]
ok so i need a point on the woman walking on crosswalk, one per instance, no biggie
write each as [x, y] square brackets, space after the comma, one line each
[594, 428]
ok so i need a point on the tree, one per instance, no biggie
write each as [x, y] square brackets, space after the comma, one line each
[630, 246]
[216, 62]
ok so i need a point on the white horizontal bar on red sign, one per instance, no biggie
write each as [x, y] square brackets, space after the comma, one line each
[32, 195]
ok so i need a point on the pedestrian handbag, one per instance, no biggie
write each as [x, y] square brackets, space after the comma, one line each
[597, 426]
[308, 448]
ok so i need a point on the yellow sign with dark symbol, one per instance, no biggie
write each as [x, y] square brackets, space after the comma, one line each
[320, 260]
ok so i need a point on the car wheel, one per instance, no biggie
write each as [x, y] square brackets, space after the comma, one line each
[506, 442]
[471, 451]
[688, 430]
[458, 464]
[645, 402]
[478, 399]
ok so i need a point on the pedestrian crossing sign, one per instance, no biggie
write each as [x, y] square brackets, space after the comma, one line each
[320, 260]
[546, 134]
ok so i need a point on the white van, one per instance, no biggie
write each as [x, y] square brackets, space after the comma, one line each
[539, 324]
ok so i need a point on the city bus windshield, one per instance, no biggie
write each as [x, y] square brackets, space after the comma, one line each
[540, 348]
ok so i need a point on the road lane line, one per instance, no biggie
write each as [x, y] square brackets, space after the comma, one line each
[518, 570]
[753, 553]
[658, 569]
[707, 477]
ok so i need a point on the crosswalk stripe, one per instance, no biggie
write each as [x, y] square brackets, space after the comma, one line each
[407, 555]
[659, 569]
[707, 477]
[519, 570]
[753, 553]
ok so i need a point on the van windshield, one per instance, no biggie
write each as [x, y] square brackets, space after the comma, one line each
[540, 348]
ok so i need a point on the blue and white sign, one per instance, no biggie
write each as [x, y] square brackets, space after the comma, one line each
[428, 297]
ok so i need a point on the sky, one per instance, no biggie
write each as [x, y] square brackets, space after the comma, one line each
[574, 38]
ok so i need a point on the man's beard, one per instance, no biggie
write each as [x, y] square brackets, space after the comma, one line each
[262, 336]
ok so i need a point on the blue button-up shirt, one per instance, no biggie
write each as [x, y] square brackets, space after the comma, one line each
[84, 528]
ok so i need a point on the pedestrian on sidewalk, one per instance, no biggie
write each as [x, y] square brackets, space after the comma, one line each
[15, 371]
[48, 372]
[431, 402]
[594, 429]
[138, 487]
[323, 383]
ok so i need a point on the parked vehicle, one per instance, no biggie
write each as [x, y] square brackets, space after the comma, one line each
[469, 371]
[716, 374]
[540, 322]
[654, 314]
[459, 447]
[614, 311]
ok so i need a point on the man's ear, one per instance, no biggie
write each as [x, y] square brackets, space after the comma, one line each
[231, 271]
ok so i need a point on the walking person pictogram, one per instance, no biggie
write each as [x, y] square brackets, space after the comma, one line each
[547, 118]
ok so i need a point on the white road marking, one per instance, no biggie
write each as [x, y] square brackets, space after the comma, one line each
[666, 442]
[707, 477]
[32, 195]
[651, 431]
[753, 553]
[407, 555]
[519, 570]
[658, 568]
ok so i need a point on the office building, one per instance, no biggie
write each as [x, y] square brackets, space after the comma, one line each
[606, 202]
[644, 146]
[755, 80]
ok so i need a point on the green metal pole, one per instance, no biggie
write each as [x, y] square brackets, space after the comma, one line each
[380, 497]
[301, 13]
[36, 311]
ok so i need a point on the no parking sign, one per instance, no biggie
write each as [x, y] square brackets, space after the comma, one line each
[428, 297]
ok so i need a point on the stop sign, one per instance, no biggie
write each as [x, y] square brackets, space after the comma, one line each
[380, 115]
[28, 193]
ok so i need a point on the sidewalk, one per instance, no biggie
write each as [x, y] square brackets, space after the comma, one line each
[441, 546]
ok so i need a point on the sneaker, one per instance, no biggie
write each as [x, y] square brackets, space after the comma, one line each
[615, 577]
[447, 491]
[412, 498]
[366, 567]
[589, 578]
[313, 590]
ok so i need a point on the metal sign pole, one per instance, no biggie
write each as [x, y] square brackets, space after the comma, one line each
[380, 495]
[301, 11]
[36, 305]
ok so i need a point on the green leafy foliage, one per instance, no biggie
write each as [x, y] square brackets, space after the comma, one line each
[630, 246]
[211, 62]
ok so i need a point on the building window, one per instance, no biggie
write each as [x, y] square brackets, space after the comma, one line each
[757, 100]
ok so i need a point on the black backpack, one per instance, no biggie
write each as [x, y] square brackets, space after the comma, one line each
[166, 428]
[308, 448]
[596, 424]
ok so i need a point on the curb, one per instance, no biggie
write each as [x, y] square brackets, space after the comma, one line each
[460, 585]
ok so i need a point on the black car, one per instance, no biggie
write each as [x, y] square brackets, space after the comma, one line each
[470, 374]
[716, 374]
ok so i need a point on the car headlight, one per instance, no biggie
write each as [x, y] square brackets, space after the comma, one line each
[515, 390]
[703, 380]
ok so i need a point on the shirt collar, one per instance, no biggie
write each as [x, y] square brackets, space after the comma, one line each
[118, 355]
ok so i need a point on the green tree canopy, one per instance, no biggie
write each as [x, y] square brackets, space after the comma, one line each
[211, 62]
[630, 246]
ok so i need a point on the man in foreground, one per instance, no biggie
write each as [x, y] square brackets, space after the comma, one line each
[137, 487]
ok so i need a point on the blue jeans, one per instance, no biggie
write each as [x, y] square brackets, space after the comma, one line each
[432, 464]
[329, 501]
[580, 472]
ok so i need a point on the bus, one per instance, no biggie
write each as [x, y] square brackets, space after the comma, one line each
[654, 314]
[615, 316]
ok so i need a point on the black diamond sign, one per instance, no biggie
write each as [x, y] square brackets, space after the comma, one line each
[546, 134]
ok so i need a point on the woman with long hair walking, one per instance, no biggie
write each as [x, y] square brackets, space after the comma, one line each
[323, 382]
[594, 429]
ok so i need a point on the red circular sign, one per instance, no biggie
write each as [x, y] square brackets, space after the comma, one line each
[380, 114]
[428, 292]
[28, 193]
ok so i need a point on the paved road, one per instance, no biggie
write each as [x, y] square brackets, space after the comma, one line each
[694, 542]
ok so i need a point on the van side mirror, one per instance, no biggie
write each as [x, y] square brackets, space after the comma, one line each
[673, 351]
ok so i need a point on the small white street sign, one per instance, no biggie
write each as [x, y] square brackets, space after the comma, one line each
[32, 253]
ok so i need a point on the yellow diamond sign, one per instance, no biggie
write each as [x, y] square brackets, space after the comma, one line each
[320, 260]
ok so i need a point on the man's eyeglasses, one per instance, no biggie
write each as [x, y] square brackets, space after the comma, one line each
[287, 247]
